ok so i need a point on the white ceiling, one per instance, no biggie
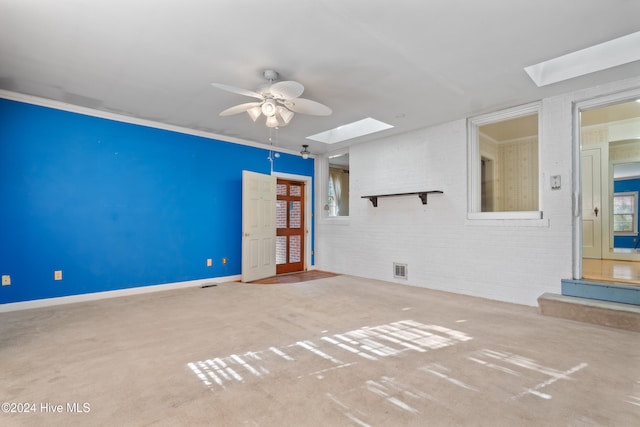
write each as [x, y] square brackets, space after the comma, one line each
[408, 63]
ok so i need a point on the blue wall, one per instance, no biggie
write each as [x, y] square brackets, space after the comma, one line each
[115, 205]
[620, 186]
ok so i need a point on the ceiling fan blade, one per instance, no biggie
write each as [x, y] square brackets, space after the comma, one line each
[307, 106]
[286, 89]
[239, 108]
[237, 90]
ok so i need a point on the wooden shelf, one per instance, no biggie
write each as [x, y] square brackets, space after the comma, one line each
[422, 194]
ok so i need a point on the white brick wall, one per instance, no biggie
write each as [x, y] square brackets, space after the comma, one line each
[498, 260]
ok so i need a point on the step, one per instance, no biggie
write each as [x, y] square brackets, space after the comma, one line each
[605, 313]
[605, 291]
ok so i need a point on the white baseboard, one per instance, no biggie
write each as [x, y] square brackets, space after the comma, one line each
[48, 302]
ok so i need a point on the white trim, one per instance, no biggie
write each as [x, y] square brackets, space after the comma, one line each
[542, 223]
[509, 141]
[474, 156]
[578, 106]
[57, 105]
[309, 223]
[576, 195]
[627, 178]
[607, 100]
[505, 215]
[507, 114]
[507, 219]
[48, 302]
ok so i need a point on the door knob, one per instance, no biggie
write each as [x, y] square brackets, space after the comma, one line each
[596, 211]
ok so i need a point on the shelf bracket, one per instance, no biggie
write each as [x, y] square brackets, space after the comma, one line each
[373, 200]
[423, 197]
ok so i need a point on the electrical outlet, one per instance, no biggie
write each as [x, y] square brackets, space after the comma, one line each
[209, 262]
[224, 261]
[57, 275]
[6, 280]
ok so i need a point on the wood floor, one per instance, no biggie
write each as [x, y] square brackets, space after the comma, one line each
[302, 276]
[607, 270]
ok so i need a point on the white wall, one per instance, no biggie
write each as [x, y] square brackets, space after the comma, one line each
[507, 260]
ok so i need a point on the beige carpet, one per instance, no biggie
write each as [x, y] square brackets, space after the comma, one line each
[340, 351]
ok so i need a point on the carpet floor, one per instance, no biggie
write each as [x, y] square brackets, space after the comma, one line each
[337, 351]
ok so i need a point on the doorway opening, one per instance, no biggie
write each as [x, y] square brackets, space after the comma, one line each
[609, 132]
[290, 226]
[486, 184]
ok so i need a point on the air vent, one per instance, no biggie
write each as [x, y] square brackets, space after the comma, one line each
[399, 270]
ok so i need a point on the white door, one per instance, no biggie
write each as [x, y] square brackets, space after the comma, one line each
[258, 226]
[591, 204]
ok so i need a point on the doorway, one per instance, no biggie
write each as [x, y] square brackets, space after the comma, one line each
[486, 184]
[609, 144]
[258, 226]
[290, 226]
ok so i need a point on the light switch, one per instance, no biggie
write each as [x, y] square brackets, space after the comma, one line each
[6, 280]
[555, 182]
[57, 275]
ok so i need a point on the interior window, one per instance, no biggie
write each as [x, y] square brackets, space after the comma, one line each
[625, 208]
[504, 162]
[338, 186]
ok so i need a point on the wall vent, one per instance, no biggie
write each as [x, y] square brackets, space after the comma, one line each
[399, 270]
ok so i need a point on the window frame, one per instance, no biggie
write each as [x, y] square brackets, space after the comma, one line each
[474, 179]
[323, 193]
[634, 232]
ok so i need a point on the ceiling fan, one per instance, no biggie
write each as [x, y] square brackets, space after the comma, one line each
[278, 102]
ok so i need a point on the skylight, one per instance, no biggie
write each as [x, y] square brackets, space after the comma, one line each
[349, 131]
[620, 51]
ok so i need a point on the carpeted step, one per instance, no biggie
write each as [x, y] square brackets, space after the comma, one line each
[606, 313]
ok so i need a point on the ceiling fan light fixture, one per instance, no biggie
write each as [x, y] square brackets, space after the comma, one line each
[278, 102]
[269, 107]
[272, 122]
[254, 113]
[286, 114]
